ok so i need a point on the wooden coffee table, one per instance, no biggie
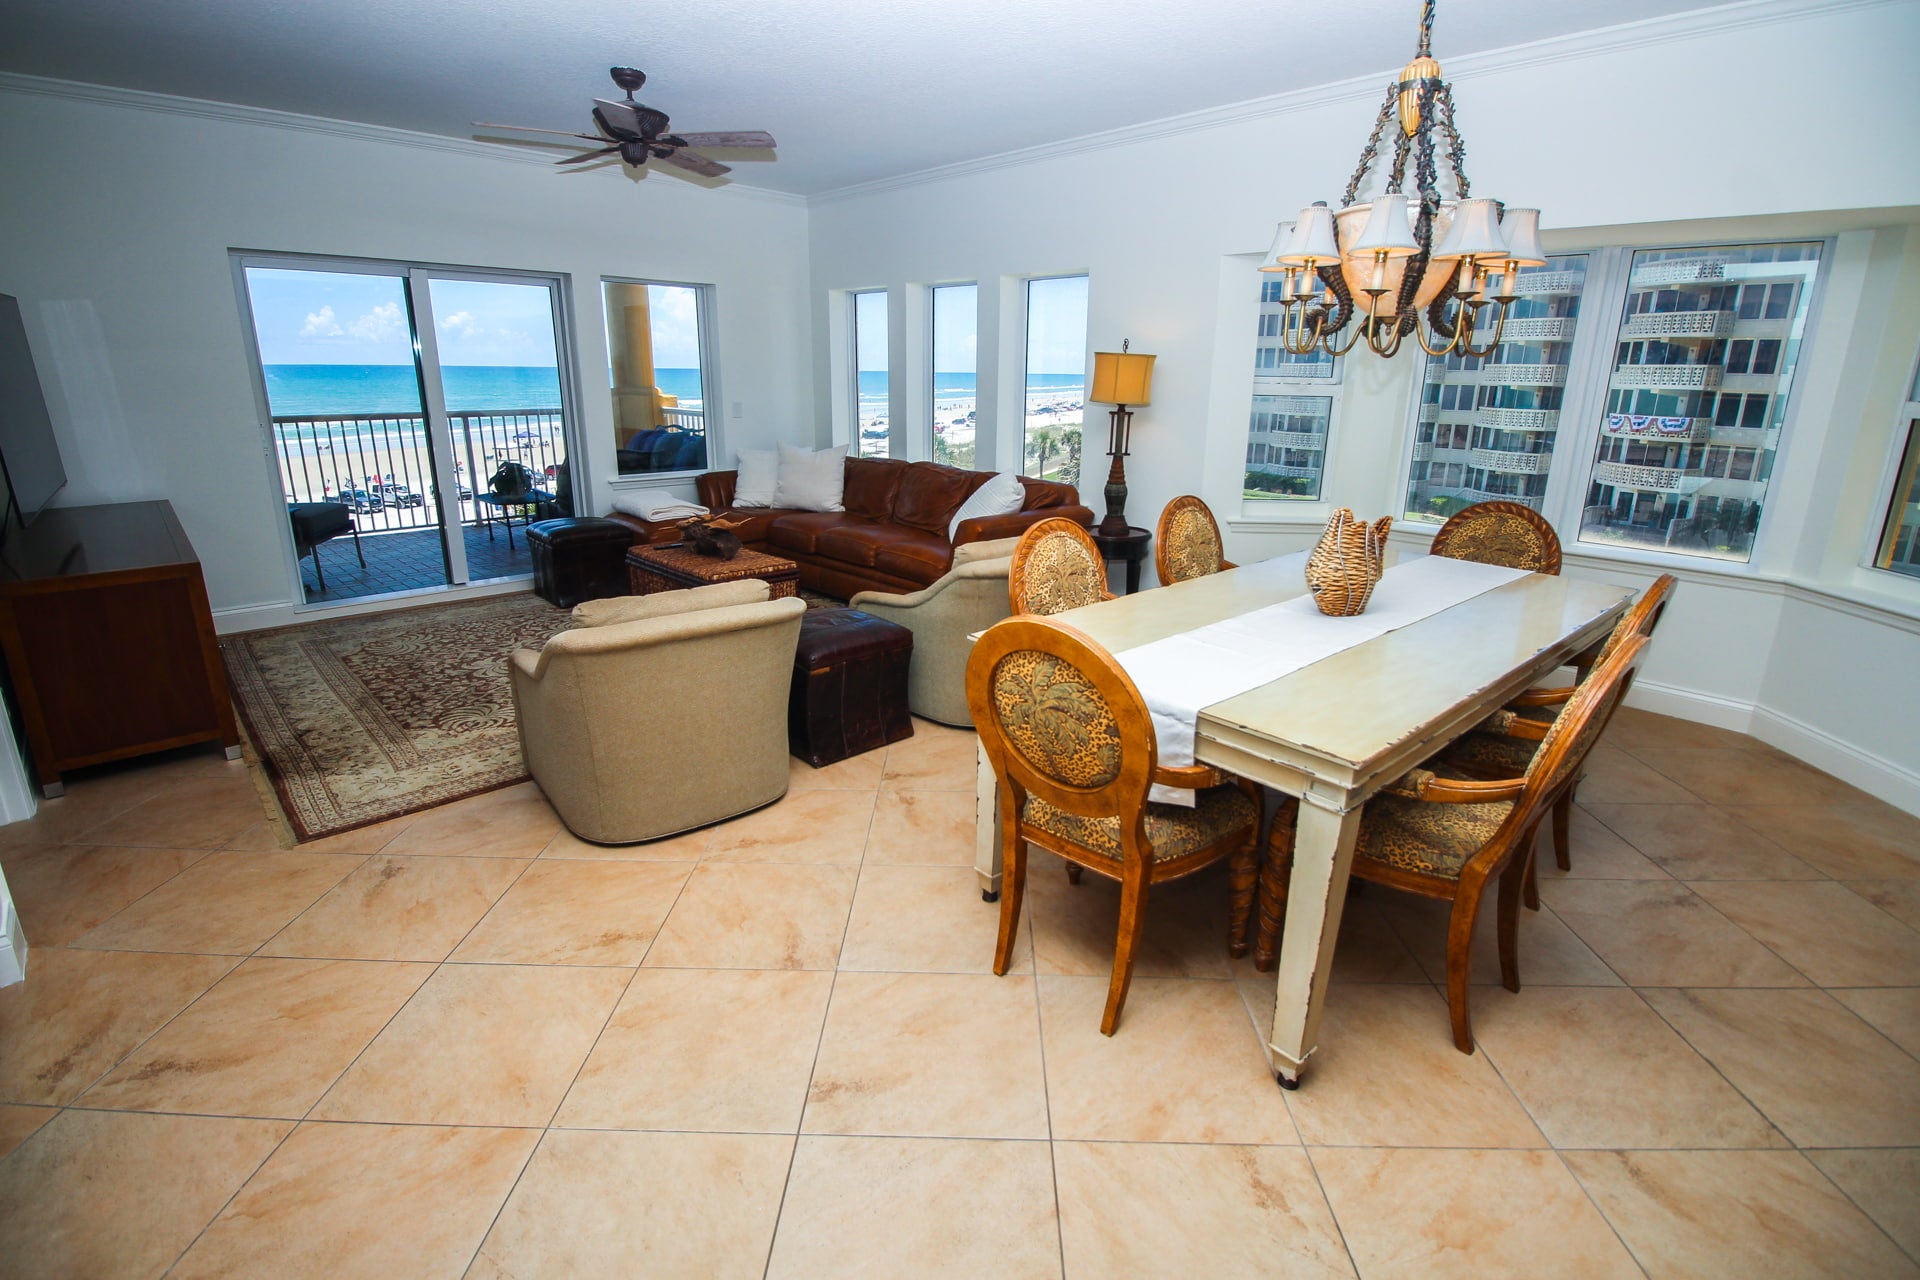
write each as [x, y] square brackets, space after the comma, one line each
[653, 567]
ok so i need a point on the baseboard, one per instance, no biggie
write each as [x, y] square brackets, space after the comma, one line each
[1876, 775]
[259, 617]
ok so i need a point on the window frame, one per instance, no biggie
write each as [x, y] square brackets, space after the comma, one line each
[715, 421]
[855, 448]
[933, 364]
[1019, 460]
[1899, 474]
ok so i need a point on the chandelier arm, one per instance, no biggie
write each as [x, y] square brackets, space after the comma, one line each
[1403, 148]
[1456, 149]
[1341, 313]
[1451, 345]
[1359, 331]
[1371, 151]
[1499, 325]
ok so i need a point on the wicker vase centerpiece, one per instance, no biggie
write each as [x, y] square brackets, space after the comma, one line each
[1347, 562]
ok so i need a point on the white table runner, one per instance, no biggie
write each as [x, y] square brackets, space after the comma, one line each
[1180, 675]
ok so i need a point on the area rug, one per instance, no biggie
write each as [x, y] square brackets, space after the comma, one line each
[357, 720]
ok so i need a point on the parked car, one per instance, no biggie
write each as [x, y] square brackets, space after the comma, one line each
[363, 500]
[398, 495]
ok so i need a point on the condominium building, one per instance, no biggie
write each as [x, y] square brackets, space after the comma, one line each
[1287, 432]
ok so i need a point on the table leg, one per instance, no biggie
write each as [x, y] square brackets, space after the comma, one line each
[1133, 574]
[986, 833]
[1322, 856]
[508, 514]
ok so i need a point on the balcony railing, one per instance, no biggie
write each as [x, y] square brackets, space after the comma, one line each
[1625, 475]
[1673, 377]
[381, 464]
[1651, 426]
[1538, 329]
[1677, 271]
[1529, 283]
[1517, 375]
[1511, 462]
[1516, 419]
[1679, 324]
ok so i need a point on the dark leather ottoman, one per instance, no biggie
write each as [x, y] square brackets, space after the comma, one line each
[849, 685]
[578, 558]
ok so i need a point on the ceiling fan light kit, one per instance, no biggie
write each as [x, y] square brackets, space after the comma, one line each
[1373, 270]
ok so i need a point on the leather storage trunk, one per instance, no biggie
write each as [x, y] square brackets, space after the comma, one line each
[578, 558]
[849, 685]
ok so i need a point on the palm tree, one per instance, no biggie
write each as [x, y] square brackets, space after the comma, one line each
[1042, 444]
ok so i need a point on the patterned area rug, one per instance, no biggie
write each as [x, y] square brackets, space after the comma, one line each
[358, 720]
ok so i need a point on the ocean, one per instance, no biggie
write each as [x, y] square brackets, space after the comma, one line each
[961, 386]
[350, 389]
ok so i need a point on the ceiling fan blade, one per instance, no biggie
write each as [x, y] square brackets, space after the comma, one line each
[591, 155]
[527, 128]
[626, 115]
[696, 163]
[737, 138]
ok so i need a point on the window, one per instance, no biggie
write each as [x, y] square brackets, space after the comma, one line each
[1900, 535]
[1495, 419]
[1701, 489]
[872, 405]
[956, 332]
[1056, 381]
[657, 352]
[1287, 431]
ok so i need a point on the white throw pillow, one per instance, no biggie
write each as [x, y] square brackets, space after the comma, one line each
[811, 481]
[1001, 496]
[759, 473]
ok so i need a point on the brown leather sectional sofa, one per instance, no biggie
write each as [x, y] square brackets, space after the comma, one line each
[892, 535]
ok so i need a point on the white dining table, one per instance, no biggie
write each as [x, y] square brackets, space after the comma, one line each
[1335, 732]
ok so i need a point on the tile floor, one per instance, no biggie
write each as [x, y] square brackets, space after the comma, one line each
[467, 1043]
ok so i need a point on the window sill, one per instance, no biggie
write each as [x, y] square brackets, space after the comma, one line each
[648, 479]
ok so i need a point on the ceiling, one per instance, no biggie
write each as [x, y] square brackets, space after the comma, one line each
[854, 92]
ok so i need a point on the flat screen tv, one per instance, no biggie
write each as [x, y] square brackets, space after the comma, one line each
[28, 451]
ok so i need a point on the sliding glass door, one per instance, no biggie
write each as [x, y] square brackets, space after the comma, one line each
[417, 418]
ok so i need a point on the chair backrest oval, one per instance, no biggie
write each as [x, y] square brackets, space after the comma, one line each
[1580, 723]
[1642, 617]
[1187, 542]
[1503, 533]
[1056, 567]
[1059, 718]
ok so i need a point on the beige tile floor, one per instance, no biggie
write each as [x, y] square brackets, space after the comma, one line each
[467, 1043]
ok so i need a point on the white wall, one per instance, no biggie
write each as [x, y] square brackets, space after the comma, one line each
[118, 220]
[1649, 134]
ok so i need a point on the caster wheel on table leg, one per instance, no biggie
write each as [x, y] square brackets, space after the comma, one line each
[1285, 1083]
[989, 895]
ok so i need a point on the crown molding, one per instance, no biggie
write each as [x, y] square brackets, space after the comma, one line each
[1624, 37]
[265, 117]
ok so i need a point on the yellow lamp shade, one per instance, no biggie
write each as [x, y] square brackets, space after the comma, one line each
[1121, 377]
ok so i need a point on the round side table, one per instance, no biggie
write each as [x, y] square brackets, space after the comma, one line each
[1130, 546]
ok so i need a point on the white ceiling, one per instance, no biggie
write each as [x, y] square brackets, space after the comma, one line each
[854, 91]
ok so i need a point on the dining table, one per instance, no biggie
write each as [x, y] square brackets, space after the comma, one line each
[1338, 729]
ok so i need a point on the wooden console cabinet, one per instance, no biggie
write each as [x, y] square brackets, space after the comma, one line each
[108, 639]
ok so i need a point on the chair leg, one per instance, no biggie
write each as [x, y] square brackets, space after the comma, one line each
[1074, 872]
[1512, 882]
[1532, 887]
[1563, 829]
[318, 573]
[1013, 887]
[1243, 868]
[1133, 918]
[1274, 871]
[1466, 910]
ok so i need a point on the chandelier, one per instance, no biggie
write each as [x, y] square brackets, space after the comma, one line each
[1373, 269]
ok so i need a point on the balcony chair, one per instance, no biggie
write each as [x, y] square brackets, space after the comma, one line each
[1187, 542]
[660, 713]
[971, 597]
[1442, 835]
[1504, 533]
[1056, 567]
[316, 523]
[1071, 743]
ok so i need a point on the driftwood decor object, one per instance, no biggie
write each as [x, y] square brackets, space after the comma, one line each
[711, 536]
[1343, 568]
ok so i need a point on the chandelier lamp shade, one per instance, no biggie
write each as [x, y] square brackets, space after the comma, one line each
[1120, 378]
[1418, 262]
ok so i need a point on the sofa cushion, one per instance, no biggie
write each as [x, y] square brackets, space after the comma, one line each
[811, 479]
[913, 554]
[931, 493]
[759, 475]
[752, 525]
[800, 530]
[1045, 494]
[856, 541]
[871, 486]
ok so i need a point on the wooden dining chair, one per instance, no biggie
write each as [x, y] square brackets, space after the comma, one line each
[1445, 836]
[1187, 544]
[1491, 750]
[1072, 746]
[1504, 533]
[1056, 567]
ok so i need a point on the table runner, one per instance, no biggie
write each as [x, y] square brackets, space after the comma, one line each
[1181, 675]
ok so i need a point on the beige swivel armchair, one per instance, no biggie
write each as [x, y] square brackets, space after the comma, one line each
[969, 599]
[660, 713]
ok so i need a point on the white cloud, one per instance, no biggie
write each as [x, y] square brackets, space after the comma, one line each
[462, 323]
[321, 324]
[381, 324]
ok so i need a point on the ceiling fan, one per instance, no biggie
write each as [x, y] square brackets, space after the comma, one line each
[636, 133]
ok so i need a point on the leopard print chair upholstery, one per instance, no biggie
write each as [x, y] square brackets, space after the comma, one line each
[1072, 749]
[1504, 533]
[1056, 567]
[1187, 542]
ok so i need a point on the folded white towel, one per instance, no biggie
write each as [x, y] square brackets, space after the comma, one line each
[656, 506]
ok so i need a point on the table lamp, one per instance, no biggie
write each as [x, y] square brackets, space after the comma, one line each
[1120, 378]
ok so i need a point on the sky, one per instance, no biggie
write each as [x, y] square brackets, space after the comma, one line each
[1056, 327]
[329, 317]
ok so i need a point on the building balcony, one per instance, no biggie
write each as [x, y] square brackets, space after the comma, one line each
[1518, 375]
[1646, 426]
[1625, 475]
[1279, 469]
[1511, 462]
[1679, 324]
[1429, 413]
[1535, 283]
[1678, 271]
[1742, 437]
[1517, 419]
[1538, 329]
[1292, 440]
[1423, 452]
[1666, 377]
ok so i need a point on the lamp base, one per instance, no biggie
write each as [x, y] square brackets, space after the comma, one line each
[1114, 525]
